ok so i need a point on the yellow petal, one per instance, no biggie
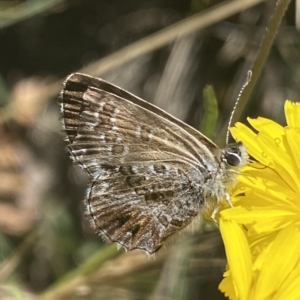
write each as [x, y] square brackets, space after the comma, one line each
[279, 160]
[283, 255]
[262, 219]
[238, 256]
[226, 287]
[290, 289]
[293, 139]
[292, 113]
[243, 133]
[266, 126]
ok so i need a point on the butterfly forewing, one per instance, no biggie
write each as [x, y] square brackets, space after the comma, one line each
[147, 168]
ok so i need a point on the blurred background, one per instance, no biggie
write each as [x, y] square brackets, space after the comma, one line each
[165, 51]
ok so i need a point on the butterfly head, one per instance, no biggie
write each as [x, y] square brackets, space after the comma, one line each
[234, 155]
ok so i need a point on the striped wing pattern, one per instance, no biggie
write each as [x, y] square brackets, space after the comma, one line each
[147, 169]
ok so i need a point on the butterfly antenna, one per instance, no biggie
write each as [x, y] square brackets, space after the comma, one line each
[249, 75]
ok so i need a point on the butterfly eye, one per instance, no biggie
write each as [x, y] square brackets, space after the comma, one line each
[232, 154]
[232, 159]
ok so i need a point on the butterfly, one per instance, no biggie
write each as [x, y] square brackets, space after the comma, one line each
[150, 174]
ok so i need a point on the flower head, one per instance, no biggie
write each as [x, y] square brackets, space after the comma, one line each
[262, 232]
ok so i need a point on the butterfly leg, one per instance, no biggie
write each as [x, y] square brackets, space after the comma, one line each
[216, 210]
[227, 199]
[217, 207]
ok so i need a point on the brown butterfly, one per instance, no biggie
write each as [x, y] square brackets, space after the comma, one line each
[151, 174]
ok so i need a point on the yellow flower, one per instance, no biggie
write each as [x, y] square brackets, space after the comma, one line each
[262, 232]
